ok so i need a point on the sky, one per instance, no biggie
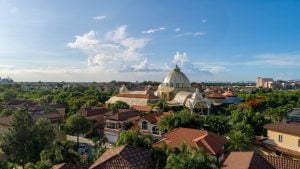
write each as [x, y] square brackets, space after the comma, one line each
[137, 40]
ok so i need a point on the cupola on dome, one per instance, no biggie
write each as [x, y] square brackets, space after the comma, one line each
[176, 79]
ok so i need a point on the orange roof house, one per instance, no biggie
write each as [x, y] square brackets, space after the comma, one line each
[210, 142]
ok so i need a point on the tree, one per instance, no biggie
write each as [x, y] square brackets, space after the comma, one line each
[118, 105]
[192, 159]
[59, 152]
[241, 137]
[77, 124]
[17, 141]
[134, 138]
[25, 139]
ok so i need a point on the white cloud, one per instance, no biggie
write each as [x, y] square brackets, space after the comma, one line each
[180, 59]
[275, 59]
[99, 18]
[14, 10]
[153, 30]
[111, 53]
[177, 30]
[118, 34]
[191, 34]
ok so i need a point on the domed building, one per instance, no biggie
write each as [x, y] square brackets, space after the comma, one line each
[174, 82]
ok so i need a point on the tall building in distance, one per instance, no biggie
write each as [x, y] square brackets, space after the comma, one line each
[262, 82]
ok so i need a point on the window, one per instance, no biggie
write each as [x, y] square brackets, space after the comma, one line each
[144, 125]
[177, 85]
[155, 130]
[171, 84]
[298, 142]
[280, 138]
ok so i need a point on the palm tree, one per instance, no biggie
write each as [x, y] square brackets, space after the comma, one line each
[239, 141]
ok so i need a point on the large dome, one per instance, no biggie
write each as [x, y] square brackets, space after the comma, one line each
[176, 79]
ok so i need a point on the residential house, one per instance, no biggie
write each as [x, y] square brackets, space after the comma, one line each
[96, 115]
[118, 120]
[283, 138]
[210, 142]
[252, 160]
[149, 124]
[124, 157]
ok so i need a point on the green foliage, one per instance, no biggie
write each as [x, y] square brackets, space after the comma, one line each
[39, 165]
[192, 159]
[118, 105]
[59, 152]
[134, 138]
[6, 112]
[241, 137]
[77, 124]
[24, 140]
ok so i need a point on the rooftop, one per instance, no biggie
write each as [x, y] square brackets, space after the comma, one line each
[210, 142]
[124, 157]
[285, 127]
[251, 160]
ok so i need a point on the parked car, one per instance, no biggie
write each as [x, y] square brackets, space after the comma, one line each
[83, 148]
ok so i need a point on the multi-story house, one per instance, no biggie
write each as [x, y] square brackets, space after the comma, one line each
[118, 120]
[283, 138]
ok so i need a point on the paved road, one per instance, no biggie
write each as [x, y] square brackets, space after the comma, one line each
[81, 140]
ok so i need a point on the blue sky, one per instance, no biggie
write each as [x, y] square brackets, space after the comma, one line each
[64, 40]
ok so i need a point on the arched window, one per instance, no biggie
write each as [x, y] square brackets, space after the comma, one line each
[155, 130]
[144, 125]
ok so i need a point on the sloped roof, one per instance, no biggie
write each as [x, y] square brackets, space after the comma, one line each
[124, 157]
[141, 108]
[153, 118]
[251, 160]
[93, 111]
[285, 127]
[122, 114]
[245, 160]
[6, 120]
[215, 95]
[210, 142]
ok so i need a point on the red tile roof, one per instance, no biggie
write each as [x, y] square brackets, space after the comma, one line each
[210, 142]
[122, 114]
[124, 157]
[92, 111]
[251, 160]
[285, 127]
[229, 93]
[153, 118]
[141, 108]
[245, 160]
[216, 95]
[142, 96]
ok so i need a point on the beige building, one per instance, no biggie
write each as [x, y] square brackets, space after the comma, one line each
[283, 138]
[264, 82]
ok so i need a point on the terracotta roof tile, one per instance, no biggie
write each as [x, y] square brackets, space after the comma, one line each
[251, 160]
[216, 95]
[124, 157]
[122, 114]
[285, 127]
[141, 108]
[153, 118]
[142, 96]
[210, 142]
[92, 111]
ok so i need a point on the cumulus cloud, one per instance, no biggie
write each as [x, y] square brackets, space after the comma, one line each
[153, 30]
[191, 34]
[112, 52]
[180, 59]
[99, 18]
